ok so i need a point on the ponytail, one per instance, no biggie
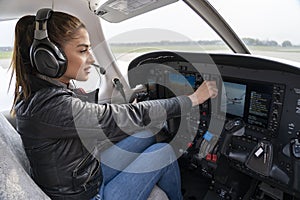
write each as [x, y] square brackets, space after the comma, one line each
[20, 63]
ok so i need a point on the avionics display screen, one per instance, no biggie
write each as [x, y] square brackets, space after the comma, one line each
[234, 98]
[182, 81]
[179, 84]
[191, 79]
[248, 100]
[260, 98]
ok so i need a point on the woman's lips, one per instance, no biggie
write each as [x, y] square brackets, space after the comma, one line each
[87, 69]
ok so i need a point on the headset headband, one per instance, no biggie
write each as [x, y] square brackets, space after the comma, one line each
[45, 56]
[41, 19]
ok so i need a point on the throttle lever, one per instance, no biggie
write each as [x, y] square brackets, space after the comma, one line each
[235, 127]
[295, 148]
[295, 154]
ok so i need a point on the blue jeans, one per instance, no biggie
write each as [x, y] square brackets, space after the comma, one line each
[135, 165]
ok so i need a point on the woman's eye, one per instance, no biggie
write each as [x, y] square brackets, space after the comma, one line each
[85, 50]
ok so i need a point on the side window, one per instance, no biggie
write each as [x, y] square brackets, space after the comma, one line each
[6, 47]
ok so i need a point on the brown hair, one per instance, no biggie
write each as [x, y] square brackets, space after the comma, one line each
[61, 28]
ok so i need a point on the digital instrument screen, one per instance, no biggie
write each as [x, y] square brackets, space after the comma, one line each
[191, 79]
[248, 100]
[234, 94]
[182, 80]
[260, 99]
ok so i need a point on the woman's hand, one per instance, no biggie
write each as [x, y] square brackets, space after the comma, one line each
[208, 89]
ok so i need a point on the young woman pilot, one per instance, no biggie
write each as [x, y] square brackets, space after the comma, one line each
[55, 123]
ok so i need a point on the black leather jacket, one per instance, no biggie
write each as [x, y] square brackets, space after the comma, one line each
[62, 134]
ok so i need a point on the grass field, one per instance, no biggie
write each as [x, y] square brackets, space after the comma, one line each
[295, 49]
[289, 53]
[292, 53]
[5, 55]
[141, 49]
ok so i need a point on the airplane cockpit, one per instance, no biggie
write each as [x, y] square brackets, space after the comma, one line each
[250, 143]
[242, 145]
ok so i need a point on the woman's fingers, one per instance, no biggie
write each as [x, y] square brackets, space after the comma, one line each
[212, 88]
[208, 89]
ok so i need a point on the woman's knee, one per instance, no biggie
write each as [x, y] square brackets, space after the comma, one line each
[160, 146]
[145, 134]
[162, 150]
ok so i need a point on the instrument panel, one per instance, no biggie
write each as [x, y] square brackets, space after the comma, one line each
[264, 94]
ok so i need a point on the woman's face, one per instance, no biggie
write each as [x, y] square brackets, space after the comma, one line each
[80, 58]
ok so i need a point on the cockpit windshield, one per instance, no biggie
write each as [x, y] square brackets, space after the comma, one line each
[267, 27]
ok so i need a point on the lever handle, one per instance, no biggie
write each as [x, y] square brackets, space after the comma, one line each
[295, 148]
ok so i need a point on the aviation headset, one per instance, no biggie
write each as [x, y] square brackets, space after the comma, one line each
[45, 56]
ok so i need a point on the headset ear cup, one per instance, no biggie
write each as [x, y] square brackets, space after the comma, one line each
[63, 62]
[46, 62]
[45, 56]
[48, 59]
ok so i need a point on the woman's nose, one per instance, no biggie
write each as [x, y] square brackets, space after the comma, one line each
[91, 58]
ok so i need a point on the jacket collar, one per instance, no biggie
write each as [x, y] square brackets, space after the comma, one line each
[39, 81]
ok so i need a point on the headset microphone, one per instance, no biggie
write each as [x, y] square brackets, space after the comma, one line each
[101, 69]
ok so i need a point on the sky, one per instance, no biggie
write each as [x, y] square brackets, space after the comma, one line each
[7, 33]
[259, 19]
[273, 19]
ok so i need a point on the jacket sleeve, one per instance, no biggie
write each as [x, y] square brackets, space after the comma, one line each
[63, 116]
[114, 120]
